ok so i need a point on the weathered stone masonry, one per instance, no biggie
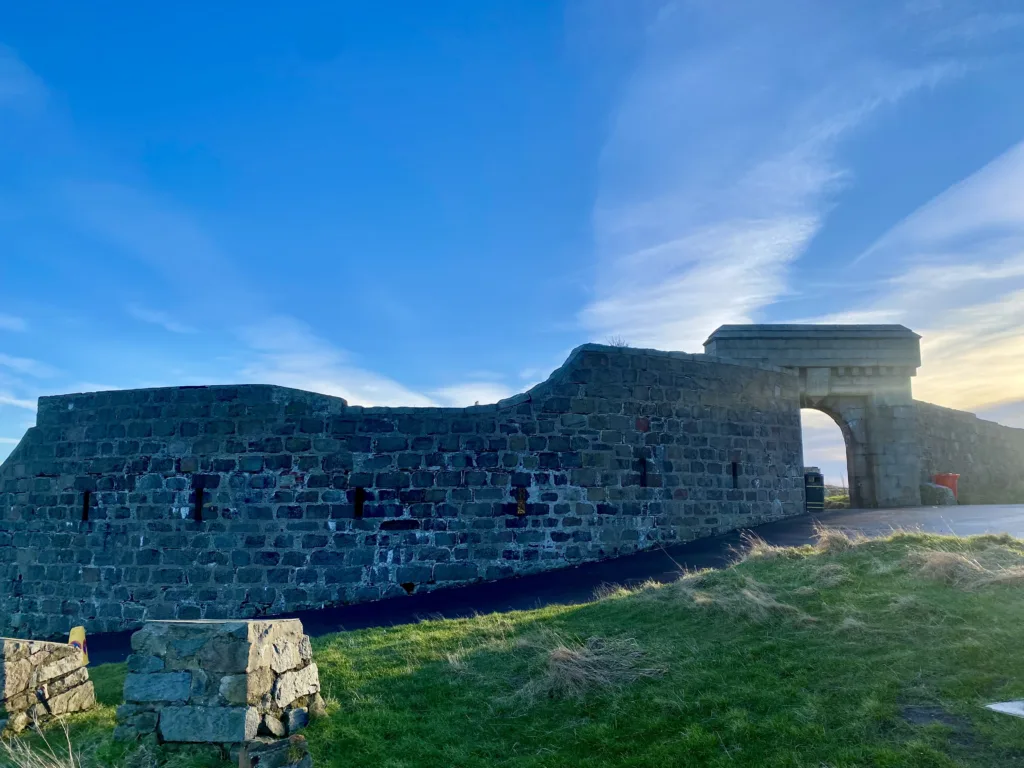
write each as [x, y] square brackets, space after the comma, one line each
[989, 457]
[305, 501]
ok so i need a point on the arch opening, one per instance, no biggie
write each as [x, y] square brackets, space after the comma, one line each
[826, 444]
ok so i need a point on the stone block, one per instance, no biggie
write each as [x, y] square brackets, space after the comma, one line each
[141, 663]
[296, 719]
[157, 686]
[292, 685]
[292, 752]
[77, 699]
[215, 725]
[272, 726]
[248, 688]
[934, 495]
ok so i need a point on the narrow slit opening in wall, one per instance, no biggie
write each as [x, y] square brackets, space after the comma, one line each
[521, 496]
[358, 501]
[85, 505]
[735, 474]
[643, 470]
[197, 514]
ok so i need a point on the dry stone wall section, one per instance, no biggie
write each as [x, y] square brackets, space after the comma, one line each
[223, 682]
[989, 457]
[40, 681]
[246, 501]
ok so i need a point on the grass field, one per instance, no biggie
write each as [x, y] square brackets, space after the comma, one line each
[876, 653]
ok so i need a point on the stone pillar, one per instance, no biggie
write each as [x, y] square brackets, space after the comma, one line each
[41, 680]
[221, 682]
[881, 449]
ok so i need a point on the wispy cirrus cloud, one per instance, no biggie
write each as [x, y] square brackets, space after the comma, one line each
[280, 349]
[20, 87]
[723, 159]
[953, 270]
[26, 365]
[6, 398]
[12, 323]
[471, 393]
[285, 351]
[156, 317]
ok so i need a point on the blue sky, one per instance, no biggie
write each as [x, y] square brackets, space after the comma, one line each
[417, 203]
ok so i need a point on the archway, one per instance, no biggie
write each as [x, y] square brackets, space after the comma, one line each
[860, 376]
[825, 448]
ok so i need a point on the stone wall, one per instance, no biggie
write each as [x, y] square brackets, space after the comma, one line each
[224, 682]
[988, 456]
[246, 501]
[40, 680]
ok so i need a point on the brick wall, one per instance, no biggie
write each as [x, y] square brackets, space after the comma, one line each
[306, 501]
[988, 456]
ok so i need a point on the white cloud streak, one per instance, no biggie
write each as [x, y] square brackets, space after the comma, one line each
[6, 398]
[287, 353]
[156, 317]
[20, 87]
[12, 323]
[27, 366]
[954, 272]
[721, 164]
[471, 393]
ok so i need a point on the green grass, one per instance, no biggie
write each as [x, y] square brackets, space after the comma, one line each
[837, 501]
[812, 657]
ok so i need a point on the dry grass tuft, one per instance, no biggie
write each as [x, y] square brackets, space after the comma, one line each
[953, 568]
[572, 670]
[744, 597]
[607, 591]
[1012, 575]
[756, 548]
[975, 563]
[18, 753]
[833, 540]
[831, 575]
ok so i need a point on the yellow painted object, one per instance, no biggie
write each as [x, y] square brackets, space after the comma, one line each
[77, 640]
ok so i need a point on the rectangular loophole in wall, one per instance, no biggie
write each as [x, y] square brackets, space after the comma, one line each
[643, 470]
[521, 496]
[358, 502]
[735, 474]
[197, 512]
[86, 499]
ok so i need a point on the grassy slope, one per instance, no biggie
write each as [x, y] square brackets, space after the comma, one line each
[860, 641]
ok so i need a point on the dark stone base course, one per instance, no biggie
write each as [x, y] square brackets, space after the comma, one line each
[239, 502]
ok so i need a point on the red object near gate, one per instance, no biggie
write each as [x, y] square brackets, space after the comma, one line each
[948, 479]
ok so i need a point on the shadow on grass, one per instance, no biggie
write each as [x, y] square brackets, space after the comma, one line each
[788, 658]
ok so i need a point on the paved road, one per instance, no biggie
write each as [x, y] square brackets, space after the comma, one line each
[577, 584]
[962, 521]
